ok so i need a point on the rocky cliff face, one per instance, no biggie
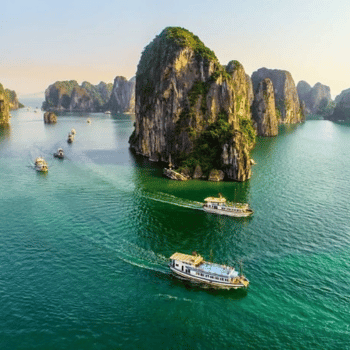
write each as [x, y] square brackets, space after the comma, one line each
[316, 98]
[250, 89]
[190, 109]
[288, 108]
[69, 96]
[13, 99]
[122, 99]
[342, 108]
[4, 107]
[341, 95]
[264, 110]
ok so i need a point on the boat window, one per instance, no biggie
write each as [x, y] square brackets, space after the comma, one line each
[177, 264]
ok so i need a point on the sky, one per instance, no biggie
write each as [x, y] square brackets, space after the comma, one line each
[44, 41]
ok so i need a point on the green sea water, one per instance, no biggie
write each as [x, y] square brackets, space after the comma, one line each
[84, 248]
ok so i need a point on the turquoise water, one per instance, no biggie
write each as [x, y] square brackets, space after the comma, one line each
[83, 249]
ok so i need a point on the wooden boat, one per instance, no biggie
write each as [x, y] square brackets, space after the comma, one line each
[219, 205]
[59, 154]
[194, 268]
[73, 132]
[40, 165]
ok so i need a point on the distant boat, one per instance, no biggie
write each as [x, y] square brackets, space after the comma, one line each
[108, 112]
[73, 132]
[70, 138]
[88, 120]
[194, 268]
[41, 165]
[220, 206]
[59, 154]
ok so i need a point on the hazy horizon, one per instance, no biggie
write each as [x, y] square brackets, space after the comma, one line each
[99, 41]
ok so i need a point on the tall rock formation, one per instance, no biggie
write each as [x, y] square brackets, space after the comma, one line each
[316, 98]
[288, 108]
[264, 110]
[122, 98]
[69, 96]
[190, 109]
[342, 109]
[4, 107]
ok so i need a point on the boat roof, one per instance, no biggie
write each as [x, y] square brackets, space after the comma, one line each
[194, 260]
[217, 269]
[215, 199]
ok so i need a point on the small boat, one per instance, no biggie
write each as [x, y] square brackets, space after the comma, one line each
[73, 132]
[70, 138]
[221, 206]
[108, 112]
[194, 268]
[88, 120]
[40, 165]
[59, 154]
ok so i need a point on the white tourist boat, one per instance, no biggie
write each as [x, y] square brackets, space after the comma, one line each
[40, 164]
[193, 267]
[108, 112]
[59, 154]
[219, 205]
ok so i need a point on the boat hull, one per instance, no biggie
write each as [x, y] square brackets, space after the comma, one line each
[41, 169]
[227, 212]
[208, 282]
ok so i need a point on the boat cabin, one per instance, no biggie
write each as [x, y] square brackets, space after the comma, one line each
[215, 203]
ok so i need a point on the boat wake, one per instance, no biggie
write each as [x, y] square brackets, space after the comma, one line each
[132, 254]
[147, 259]
[172, 200]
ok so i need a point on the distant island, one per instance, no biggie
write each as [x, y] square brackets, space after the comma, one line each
[8, 102]
[201, 116]
[341, 111]
[70, 96]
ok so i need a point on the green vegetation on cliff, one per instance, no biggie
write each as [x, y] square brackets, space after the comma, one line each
[66, 87]
[247, 129]
[184, 38]
[207, 148]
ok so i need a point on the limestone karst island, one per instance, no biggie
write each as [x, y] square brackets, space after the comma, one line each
[201, 116]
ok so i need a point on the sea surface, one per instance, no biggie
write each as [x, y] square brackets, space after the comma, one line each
[84, 248]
